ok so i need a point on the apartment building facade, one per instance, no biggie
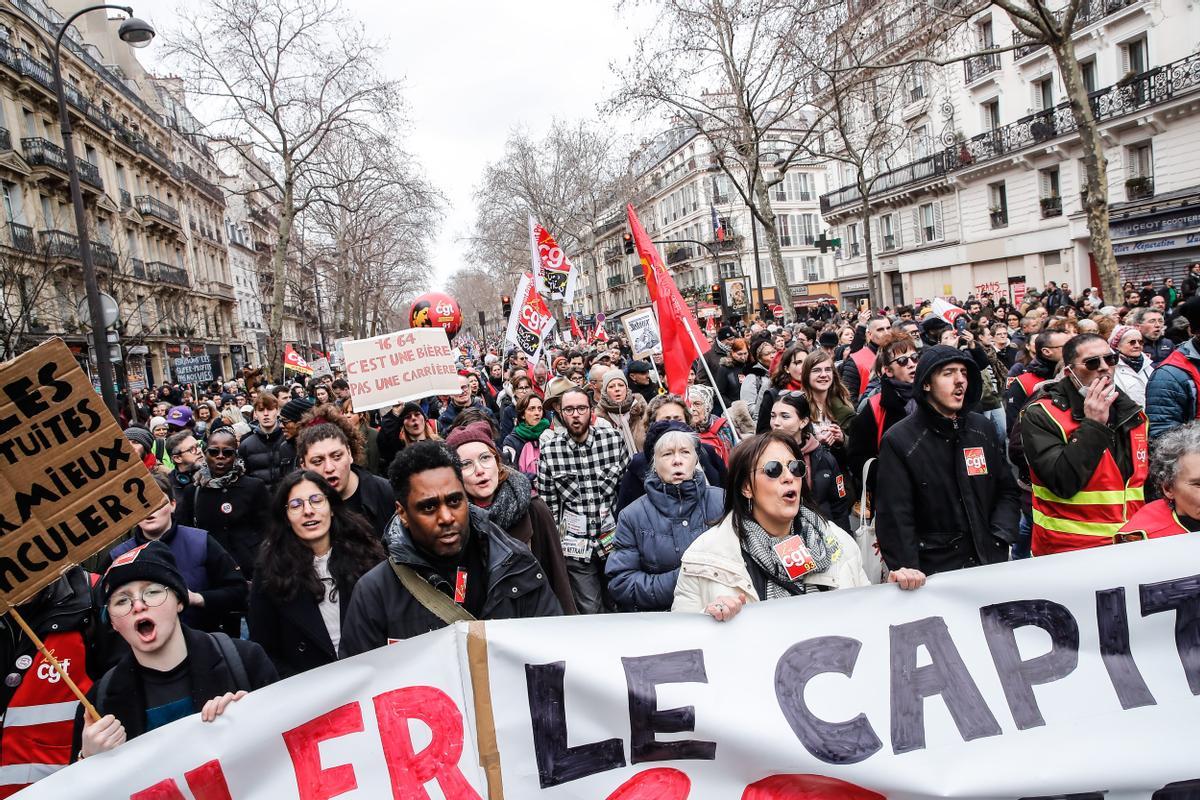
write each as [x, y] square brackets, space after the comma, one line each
[989, 195]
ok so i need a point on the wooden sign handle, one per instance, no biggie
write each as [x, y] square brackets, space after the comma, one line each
[41, 646]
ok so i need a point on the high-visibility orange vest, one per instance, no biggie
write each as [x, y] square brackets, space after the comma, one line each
[864, 359]
[1096, 512]
[40, 718]
[1155, 520]
[1180, 361]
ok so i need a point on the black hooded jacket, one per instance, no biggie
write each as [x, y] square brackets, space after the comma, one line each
[381, 609]
[947, 498]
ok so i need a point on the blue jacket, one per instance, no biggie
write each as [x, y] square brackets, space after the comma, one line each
[1171, 394]
[652, 535]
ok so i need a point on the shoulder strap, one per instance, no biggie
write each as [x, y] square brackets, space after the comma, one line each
[233, 659]
[866, 471]
[434, 601]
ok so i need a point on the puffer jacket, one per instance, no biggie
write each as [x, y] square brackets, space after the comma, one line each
[715, 565]
[382, 609]
[948, 499]
[729, 380]
[652, 535]
[267, 456]
[1171, 394]
[756, 384]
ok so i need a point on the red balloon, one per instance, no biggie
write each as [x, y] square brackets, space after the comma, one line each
[436, 310]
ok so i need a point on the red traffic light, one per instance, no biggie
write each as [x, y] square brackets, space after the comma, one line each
[627, 238]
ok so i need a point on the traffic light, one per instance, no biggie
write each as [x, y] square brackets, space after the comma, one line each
[506, 302]
[716, 295]
[627, 238]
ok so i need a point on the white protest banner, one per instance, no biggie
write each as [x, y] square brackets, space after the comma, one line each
[1069, 675]
[196, 369]
[641, 328]
[398, 367]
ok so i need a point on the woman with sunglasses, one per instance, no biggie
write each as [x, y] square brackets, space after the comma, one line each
[772, 543]
[1132, 372]
[226, 502]
[314, 553]
[824, 478]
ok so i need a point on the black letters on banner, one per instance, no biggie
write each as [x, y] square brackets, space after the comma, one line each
[558, 763]
[642, 675]
[947, 676]
[1018, 676]
[832, 742]
[1112, 623]
[1182, 595]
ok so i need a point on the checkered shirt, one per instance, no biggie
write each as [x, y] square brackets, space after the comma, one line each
[582, 477]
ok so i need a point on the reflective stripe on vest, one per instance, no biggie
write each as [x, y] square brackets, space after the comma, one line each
[864, 359]
[39, 715]
[25, 774]
[1180, 361]
[1101, 507]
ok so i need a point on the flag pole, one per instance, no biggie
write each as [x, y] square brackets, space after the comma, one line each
[713, 382]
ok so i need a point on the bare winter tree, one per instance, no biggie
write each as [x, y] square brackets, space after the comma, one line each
[725, 69]
[284, 76]
[475, 290]
[567, 180]
[28, 300]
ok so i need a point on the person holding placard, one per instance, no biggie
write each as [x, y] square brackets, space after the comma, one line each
[171, 671]
[771, 543]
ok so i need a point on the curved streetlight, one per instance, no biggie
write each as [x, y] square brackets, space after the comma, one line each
[136, 33]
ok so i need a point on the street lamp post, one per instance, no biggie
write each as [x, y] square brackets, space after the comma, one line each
[136, 33]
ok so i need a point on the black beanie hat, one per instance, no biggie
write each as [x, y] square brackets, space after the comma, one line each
[153, 561]
[294, 409]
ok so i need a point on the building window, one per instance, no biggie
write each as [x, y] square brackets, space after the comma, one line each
[991, 114]
[852, 239]
[887, 229]
[916, 85]
[1139, 171]
[1088, 70]
[1134, 57]
[927, 220]
[998, 204]
[729, 269]
[814, 269]
[986, 33]
[1043, 93]
[1049, 192]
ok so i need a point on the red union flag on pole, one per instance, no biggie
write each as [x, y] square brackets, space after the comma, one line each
[531, 320]
[553, 273]
[293, 361]
[682, 340]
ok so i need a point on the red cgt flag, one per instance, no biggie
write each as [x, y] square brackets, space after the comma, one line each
[675, 319]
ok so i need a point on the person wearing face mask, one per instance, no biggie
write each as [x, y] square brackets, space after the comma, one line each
[1086, 443]
[654, 531]
[507, 496]
[439, 545]
[1133, 371]
[824, 477]
[771, 543]
[948, 499]
[313, 554]
[1175, 472]
[896, 365]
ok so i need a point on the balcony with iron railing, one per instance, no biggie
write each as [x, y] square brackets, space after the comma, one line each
[59, 244]
[1090, 11]
[855, 249]
[889, 242]
[679, 254]
[203, 184]
[21, 237]
[5, 139]
[103, 256]
[1130, 96]
[166, 273]
[998, 216]
[616, 280]
[613, 253]
[41, 152]
[89, 173]
[126, 199]
[1139, 188]
[1051, 206]
[976, 68]
[150, 206]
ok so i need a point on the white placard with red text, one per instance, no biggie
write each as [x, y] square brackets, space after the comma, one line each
[398, 367]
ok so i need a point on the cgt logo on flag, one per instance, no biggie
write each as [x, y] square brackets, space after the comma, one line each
[976, 461]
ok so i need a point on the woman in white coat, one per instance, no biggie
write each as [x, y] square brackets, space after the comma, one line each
[771, 543]
[1133, 370]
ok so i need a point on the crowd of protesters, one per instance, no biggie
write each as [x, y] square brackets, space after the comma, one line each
[840, 450]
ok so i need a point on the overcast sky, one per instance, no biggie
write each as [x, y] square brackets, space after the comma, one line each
[472, 71]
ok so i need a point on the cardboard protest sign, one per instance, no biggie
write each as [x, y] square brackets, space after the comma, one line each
[196, 369]
[1008, 681]
[70, 482]
[398, 367]
[321, 368]
[642, 331]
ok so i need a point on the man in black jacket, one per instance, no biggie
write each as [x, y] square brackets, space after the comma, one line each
[267, 453]
[447, 544]
[950, 500]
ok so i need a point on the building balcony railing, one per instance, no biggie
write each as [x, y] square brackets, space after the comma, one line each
[149, 206]
[1132, 95]
[5, 139]
[889, 242]
[138, 268]
[613, 253]
[1139, 188]
[855, 249]
[1089, 11]
[977, 67]
[41, 152]
[616, 280]
[21, 237]
[998, 217]
[166, 273]
[60, 244]
[682, 253]
[203, 184]
[1051, 207]
[103, 256]
[89, 173]
[1024, 46]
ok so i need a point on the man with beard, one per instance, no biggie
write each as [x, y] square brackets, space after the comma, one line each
[578, 475]
[950, 501]
[439, 545]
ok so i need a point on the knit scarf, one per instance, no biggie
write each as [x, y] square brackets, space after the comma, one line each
[613, 408]
[759, 545]
[905, 392]
[1135, 363]
[531, 433]
[511, 500]
[206, 479]
[722, 348]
